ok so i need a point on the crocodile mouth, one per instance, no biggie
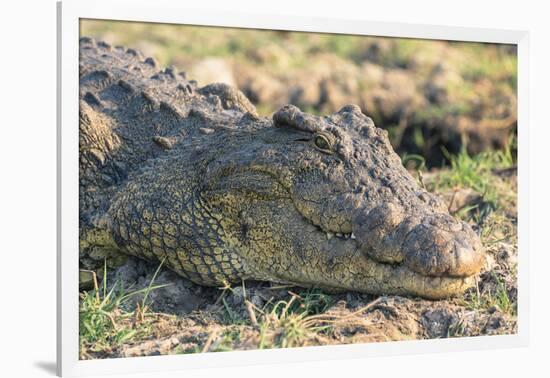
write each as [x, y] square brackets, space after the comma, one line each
[432, 245]
[427, 246]
[375, 275]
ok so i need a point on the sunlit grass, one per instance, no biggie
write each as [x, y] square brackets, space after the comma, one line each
[496, 297]
[103, 323]
[477, 172]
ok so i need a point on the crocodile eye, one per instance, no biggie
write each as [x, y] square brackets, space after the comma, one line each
[322, 143]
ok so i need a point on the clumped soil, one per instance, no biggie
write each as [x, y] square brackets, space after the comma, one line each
[186, 318]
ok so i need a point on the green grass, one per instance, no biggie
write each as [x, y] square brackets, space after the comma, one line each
[477, 173]
[103, 323]
[288, 323]
[285, 323]
[312, 302]
[228, 339]
[494, 298]
[418, 161]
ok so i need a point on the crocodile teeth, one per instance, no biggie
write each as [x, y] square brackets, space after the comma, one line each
[330, 235]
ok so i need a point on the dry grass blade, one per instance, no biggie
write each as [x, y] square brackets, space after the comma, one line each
[210, 340]
[94, 281]
[251, 314]
[316, 320]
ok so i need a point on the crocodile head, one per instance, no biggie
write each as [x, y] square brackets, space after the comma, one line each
[326, 202]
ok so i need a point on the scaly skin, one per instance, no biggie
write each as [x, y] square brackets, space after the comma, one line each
[193, 176]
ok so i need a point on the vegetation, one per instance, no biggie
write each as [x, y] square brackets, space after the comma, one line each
[477, 173]
[491, 299]
[103, 321]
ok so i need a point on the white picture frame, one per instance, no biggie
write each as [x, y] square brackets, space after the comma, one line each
[69, 14]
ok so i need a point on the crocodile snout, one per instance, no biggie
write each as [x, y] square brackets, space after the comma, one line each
[443, 246]
[433, 244]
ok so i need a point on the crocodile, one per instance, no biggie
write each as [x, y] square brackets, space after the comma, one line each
[193, 177]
